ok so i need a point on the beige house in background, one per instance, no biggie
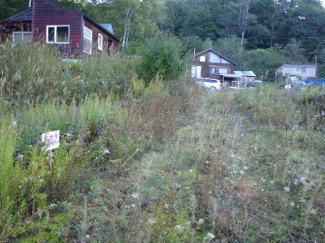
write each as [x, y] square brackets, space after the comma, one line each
[303, 71]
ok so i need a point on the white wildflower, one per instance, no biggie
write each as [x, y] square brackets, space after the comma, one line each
[106, 152]
[313, 211]
[14, 123]
[245, 167]
[292, 204]
[151, 221]
[135, 195]
[286, 189]
[20, 156]
[201, 221]
[232, 156]
[302, 180]
[179, 229]
[242, 172]
[166, 206]
[133, 205]
[52, 205]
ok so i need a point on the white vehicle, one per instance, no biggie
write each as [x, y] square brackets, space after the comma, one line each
[209, 83]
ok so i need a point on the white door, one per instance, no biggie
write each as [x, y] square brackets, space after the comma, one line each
[198, 71]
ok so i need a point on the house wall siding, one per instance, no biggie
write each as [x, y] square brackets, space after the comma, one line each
[46, 13]
[109, 44]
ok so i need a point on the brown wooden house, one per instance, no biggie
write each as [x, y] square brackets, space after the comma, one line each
[72, 32]
[211, 64]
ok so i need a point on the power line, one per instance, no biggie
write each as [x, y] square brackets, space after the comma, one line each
[268, 38]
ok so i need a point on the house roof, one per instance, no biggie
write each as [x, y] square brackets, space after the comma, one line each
[295, 66]
[72, 10]
[245, 73]
[217, 53]
[107, 26]
[25, 15]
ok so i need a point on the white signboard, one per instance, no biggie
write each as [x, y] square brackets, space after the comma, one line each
[51, 140]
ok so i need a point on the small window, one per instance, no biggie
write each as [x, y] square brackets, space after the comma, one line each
[57, 34]
[212, 70]
[202, 58]
[223, 70]
[303, 69]
[21, 37]
[100, 42]
[87, 41]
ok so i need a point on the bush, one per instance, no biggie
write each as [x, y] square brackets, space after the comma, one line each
[161, 55]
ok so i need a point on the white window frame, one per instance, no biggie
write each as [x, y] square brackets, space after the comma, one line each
[20, 32]
[91, 39]
[100, 43]
[55, 34]
[202, 58]
[298, 69]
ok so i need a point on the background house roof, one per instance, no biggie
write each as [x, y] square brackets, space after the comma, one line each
[25, 15]
[107, 26]
[229, 60]
[245, 73]
[294, 66]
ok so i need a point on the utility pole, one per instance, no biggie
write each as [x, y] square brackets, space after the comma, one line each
[316, 64]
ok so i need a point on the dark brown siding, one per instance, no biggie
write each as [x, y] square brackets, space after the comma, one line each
[109, 44]
[206, 66]
[46, 13]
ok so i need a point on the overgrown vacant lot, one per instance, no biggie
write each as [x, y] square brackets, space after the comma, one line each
[163, 163]
[220, 167]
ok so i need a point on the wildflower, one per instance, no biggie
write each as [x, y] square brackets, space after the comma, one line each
[166, 206]
[135, 195]
[286, 189]
[150, 221]
[296, 182]
[313, 211]
[52, 205]
[232, 156]
[20, 156]
[292, 204]
[87, 236]
[302, 180]
[245, 167]
[242, 172]
[133, 205]
[14, 123]
[209, 237]
[179, 229]
[201, 221]
[106, 152]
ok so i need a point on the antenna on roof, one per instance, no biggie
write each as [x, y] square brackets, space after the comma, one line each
[210, 44]
[30, 3]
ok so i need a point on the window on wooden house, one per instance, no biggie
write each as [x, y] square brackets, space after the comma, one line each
[202, 58]
[57, 34]
[25, 37]
[212, 70]
[100, 42]
[87, 42]
[223, 70]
